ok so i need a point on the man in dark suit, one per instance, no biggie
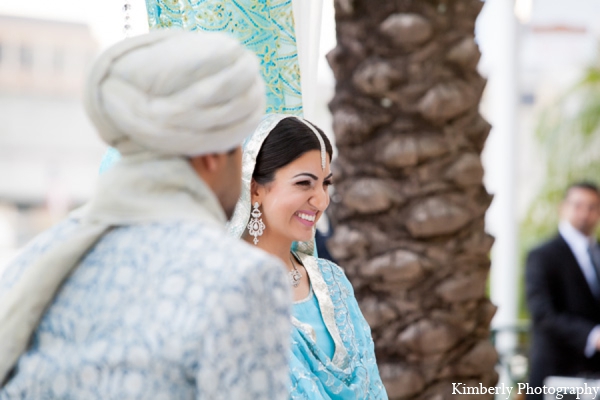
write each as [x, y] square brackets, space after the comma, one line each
[563, 292]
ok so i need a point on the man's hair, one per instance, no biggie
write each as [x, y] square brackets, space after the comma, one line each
[585, 185]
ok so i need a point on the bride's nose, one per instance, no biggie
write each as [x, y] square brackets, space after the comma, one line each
[320, 199]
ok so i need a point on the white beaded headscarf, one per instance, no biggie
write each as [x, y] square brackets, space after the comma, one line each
[252, 145]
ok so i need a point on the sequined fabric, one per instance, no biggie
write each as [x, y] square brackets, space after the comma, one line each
[264, 26]
[352, 372]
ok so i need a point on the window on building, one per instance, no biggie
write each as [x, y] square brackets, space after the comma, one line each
[26, 56]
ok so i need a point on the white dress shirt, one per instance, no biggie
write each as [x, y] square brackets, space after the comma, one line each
[579, 244]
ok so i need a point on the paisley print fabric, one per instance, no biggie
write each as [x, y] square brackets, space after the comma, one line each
[171, 310]
[352, 371]
[264, 26]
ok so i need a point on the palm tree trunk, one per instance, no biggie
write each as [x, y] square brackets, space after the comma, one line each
[410, 203]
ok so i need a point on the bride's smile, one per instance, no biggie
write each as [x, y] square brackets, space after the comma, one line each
[306, 217]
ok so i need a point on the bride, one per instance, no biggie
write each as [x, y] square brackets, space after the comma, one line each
[286, 175]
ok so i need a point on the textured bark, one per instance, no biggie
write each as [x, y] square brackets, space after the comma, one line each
[410, 216]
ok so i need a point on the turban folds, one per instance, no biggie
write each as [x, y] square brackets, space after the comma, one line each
[173, 92]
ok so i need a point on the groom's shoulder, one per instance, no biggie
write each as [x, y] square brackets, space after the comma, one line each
[35, 248]
[216, 246]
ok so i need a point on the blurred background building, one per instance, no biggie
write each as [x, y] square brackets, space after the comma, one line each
[558, 41]
[49, 154]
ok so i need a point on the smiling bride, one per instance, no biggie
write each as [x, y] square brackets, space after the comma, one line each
[286, 175]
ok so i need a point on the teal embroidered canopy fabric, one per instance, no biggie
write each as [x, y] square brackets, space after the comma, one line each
[264, 26]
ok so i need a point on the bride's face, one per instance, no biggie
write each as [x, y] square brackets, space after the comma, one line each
[293, 203]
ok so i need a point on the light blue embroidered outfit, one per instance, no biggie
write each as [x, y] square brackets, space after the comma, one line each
[350, 371]
[307, 311]
[169, 310]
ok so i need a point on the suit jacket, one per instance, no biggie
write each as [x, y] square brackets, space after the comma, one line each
[563, 311]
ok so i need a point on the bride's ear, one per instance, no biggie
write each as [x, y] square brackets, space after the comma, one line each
[256, 192]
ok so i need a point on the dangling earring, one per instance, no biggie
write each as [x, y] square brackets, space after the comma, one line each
[256, 226]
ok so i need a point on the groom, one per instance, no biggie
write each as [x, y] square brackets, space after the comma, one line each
[141, 294]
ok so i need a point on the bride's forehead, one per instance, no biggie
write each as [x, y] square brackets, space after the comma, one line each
[293, 171]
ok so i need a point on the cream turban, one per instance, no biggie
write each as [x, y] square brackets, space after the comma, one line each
[173, 92]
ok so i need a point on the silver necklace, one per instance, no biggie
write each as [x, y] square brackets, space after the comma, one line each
[295, 275]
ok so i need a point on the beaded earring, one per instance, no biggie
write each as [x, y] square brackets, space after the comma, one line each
[256, 226]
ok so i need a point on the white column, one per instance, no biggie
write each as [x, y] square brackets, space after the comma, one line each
[307, 18]
[498, 27]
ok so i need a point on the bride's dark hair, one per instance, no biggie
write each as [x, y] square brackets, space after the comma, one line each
[289, 140]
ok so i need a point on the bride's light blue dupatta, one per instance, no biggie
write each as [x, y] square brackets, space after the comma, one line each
[352, 371]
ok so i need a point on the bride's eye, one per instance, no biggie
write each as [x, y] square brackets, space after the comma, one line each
[303, 183]
[328, 183]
